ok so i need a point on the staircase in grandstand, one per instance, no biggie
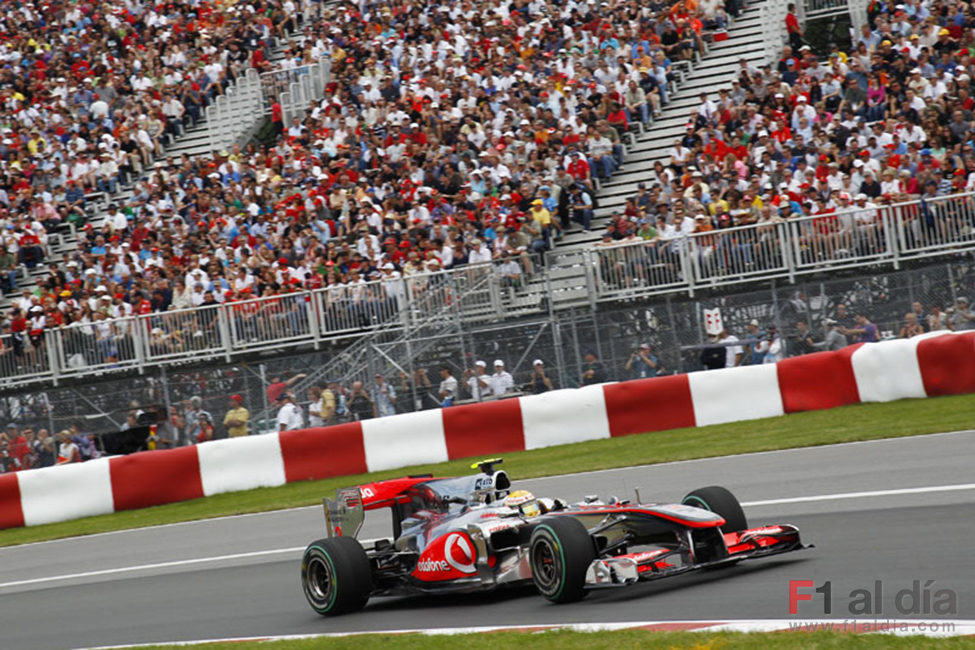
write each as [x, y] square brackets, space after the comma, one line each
[436, 307]
[567, 285]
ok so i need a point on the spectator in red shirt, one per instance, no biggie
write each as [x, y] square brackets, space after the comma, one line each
[278, 386]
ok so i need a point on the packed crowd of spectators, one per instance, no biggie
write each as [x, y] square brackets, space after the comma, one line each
[840, 138]
[450, 134]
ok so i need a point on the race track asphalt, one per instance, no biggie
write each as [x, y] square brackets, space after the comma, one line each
[238, 576]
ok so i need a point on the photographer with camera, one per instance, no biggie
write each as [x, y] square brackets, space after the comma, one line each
[642, 362]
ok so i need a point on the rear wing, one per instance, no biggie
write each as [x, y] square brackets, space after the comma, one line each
[344, 515]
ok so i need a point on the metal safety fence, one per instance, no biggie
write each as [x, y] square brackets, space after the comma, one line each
[869, 237]
[411, 360]
[858, 237]
[338, 310]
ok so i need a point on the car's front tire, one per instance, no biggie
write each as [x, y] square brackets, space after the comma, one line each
[722, 502]
[560, 552]
[336, 576]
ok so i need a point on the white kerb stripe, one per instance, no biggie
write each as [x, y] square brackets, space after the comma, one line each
[888, 371]
[244, 463]
[404, 440]
[564, 416]
[733, 394]
[65, 492]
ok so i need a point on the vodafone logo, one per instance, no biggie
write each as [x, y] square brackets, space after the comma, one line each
[450, 555]
[432, 566]
[458, 553]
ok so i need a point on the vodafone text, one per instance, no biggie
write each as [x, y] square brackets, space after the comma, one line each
[922, 597]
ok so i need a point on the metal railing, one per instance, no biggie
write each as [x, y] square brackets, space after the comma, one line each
[233, 114]
[887, 234]
[269, 323]
[294, 88]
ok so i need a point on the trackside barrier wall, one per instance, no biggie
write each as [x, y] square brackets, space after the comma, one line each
[940, 363]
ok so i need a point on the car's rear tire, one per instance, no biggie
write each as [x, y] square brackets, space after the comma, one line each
[336, 576]
[560, 552]
[721, 502]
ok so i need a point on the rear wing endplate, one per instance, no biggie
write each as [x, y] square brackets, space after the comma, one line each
[344, 515]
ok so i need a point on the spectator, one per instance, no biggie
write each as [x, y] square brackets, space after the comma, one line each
[447, 391]
[960, 318]
[642, 363]
[204, 428]
[771, 348]
[360, 404]
[289, 414]
[339, 403]
[236, 418]
[478, 381]
[593, 370]
[865, 331]
[734, 352]
[278, 386]
[835, 339]
[754, 354]
[501, 381]
[194, 415]
[383, 397]
[911, 326]
[540, 381]
[67, 451]
[315, 407]
[802, 341]
[44, 449]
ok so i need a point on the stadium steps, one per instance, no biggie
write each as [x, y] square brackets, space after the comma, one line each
[715, 71]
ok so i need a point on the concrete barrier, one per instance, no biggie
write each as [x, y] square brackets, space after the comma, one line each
[941, 363]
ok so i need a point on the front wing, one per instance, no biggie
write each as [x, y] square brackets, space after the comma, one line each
[747, 544]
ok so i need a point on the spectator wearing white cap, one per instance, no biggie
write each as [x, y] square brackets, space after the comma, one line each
[478, 381]
[540, 381]
[501, 381]
[642, 362]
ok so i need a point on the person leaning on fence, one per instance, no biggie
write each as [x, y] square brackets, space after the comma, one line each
[236, 418]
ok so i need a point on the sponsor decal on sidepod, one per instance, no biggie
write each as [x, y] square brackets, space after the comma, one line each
[449, 556]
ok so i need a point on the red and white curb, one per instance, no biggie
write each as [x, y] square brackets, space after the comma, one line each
[898, 627]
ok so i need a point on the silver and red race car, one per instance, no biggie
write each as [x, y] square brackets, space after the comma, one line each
[474, 533]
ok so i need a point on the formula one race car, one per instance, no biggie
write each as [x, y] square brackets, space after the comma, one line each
[474, 534]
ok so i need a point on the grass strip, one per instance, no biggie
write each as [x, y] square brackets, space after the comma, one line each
[570, 640]
[844, 424]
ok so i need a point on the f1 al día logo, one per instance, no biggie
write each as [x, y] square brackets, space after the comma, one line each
[921, 597]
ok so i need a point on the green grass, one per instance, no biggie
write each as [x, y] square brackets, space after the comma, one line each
[845, 424]
[618, 640]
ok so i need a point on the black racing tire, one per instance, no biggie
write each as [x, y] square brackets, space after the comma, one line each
[560, 552]
[336, 576]
[721, 502]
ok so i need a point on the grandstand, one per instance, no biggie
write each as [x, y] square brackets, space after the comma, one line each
[343, 150]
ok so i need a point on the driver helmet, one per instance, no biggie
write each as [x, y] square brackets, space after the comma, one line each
[525, 502]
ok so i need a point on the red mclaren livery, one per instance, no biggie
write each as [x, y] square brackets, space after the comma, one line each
[474, 533]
